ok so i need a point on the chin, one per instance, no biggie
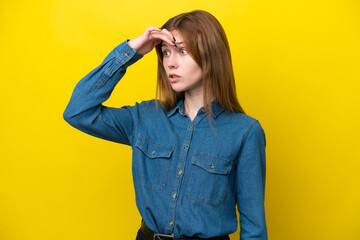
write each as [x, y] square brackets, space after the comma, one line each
[178, 89]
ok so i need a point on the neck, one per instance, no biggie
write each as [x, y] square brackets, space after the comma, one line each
[193, 102]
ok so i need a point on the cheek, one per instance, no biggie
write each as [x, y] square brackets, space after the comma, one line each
[193, 67]
[199, 75]
[196, 71]
[164, 66]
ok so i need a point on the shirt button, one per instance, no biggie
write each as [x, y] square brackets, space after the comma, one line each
[153, 152]
[186, 147]
[203, 110]
[174, 196]
[171, 223]
[180, 172]
[191, 126]
[126, 55]
[212, 166]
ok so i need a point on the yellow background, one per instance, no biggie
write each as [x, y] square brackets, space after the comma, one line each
[297, 71]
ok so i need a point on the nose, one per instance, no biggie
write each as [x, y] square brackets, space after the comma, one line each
[172, 61]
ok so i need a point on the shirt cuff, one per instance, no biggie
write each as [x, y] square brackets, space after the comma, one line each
[126, 54]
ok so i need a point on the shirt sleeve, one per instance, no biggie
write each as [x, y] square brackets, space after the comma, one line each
[85, 110]
[250, 184]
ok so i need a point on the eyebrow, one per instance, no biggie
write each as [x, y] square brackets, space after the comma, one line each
[177, 43]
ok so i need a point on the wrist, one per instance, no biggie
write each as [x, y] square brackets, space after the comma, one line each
[133, 45]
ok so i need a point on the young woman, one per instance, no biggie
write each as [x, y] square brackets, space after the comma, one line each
[196, 155]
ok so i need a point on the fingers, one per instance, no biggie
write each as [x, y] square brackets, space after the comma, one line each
[150, 29]
[162, 34]
[163, 37]
[165, 31]
[150, 38]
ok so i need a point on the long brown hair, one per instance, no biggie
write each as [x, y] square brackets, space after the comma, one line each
[206, 42]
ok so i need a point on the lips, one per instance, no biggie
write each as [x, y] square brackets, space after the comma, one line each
[173, 78]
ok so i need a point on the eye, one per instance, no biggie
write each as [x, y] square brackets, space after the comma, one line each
[166, 53]
[183, 51]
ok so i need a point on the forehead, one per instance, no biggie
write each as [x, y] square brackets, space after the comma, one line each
[178, 37]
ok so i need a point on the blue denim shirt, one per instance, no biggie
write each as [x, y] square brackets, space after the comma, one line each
[188, 175]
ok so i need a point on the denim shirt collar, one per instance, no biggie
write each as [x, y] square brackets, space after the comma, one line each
[216, 109]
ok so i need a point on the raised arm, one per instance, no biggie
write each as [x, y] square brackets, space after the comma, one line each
[85, 110]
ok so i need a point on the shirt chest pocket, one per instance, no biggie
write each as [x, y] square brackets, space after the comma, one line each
[209, 179]
[153, 161]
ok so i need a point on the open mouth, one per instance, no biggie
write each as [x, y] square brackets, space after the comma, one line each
[172, 76]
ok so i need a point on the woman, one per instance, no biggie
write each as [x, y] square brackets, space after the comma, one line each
[196, 154]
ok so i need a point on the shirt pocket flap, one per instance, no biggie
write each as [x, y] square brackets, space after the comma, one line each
[212, 164]
[153, 150]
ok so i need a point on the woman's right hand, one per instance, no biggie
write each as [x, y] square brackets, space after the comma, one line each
[152, 36]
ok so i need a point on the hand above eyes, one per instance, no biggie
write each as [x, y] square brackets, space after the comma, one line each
[152, 36]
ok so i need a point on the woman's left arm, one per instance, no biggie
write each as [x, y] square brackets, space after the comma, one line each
[250, 184]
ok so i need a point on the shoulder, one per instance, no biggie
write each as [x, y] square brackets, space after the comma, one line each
[242, 123]
[151, 105]
[239, 119]
[146, 108]
[148, 103]
[142, 105]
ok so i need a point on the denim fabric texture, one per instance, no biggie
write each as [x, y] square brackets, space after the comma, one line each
[188, 175]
